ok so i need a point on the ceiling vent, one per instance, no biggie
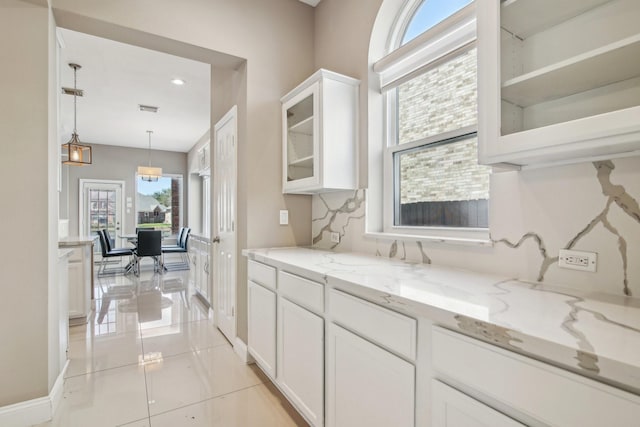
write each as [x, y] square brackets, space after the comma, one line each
[72, 91]
[148, 108]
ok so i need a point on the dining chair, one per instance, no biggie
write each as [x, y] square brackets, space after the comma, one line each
[149, 245]
[107, 253]
[109, 241]
[180, 248]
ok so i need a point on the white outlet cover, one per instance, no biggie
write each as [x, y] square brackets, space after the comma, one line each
[578, 260]
[284, 217]
[335, 237]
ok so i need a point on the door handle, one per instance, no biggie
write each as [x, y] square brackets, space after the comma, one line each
[216, 239]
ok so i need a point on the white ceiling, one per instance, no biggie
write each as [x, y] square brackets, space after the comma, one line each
[116, 77]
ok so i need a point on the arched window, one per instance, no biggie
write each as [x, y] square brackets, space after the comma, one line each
[428, 14]
[432, 185]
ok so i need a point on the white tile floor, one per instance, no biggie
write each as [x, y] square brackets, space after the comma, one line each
[151, 356]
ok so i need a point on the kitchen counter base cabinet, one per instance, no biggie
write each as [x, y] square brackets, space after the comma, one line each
[80, 284]
[450, 408]
[262, 327]
[301, 359]
[366, 385]
[528, 389]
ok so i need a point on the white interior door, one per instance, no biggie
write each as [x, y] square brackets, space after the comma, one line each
[100, 207]
[224, 221]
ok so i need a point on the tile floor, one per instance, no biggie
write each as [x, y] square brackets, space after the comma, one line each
[151, 356]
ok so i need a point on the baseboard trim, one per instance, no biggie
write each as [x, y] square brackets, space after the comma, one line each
[241, 350]
[57, 390]
[34, 411]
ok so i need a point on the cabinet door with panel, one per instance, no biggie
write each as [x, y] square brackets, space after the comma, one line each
[558, 82]
[262, 327]
[367, 385]
[301, 359]
[450, 408]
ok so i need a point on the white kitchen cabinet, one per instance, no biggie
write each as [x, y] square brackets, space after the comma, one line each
[367, 385]
[558, 82]
[531, 391]
[319, 122]
[301, 359]
[262, 327]
[80, 283]
[450, 408]
[200, 256]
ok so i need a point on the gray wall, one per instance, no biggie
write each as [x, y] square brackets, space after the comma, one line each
[120, 163]
[29, 253]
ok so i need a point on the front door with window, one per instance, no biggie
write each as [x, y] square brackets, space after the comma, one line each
[100, 207]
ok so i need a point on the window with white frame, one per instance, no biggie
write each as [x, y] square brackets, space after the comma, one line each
[433, 185]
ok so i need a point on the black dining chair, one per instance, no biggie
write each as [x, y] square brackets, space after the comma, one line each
[107, 253]
[182, 248]
[178, 239]
[110, 242]
[149, 245]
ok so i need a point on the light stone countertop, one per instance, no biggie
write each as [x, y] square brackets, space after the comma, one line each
[76, 241]
[594, 334]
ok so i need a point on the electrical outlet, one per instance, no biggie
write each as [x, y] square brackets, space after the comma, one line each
[576, 260]
[284, 217]
[335, 237]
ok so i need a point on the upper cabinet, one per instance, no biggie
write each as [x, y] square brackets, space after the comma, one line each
[559, 81]
[319, 132]
[204, 163]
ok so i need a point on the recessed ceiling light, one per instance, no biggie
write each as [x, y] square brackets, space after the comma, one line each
[177, 82]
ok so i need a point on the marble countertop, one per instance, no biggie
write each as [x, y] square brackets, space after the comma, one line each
[594, 334]
[76, 241]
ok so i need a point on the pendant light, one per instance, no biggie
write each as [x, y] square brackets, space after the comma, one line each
[75, 152]
[149, 173]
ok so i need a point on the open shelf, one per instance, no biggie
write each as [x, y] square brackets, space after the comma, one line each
[304, 127]
[609, 64]
[304, 162]
[526, 17]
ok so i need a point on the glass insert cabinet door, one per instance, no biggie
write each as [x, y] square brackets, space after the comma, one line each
[301, 124]
[300, 118]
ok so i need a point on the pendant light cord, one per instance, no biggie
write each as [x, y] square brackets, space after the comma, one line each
[75, 89]
[149, 132]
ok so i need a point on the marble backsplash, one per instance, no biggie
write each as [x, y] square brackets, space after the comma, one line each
[533, 214]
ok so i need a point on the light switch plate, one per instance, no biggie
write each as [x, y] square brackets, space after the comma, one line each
[284, 217]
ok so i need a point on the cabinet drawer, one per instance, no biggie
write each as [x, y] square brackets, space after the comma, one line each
[551, 395]
[450, 408]
[262, 274]
[76, 255]
[302, 291]
[388, 328]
